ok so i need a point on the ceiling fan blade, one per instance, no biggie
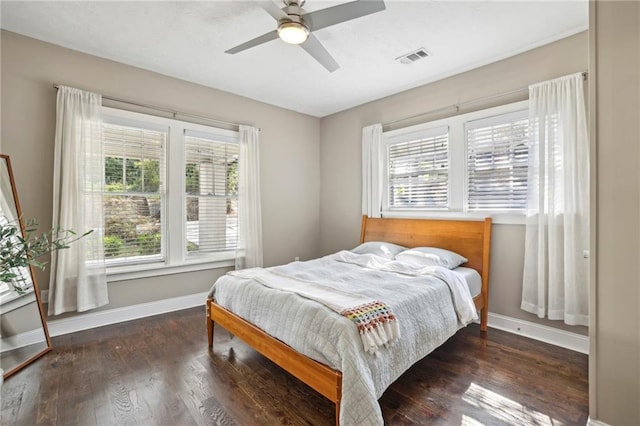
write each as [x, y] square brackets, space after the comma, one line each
[272, 35]
[273, 10]
[314, 48]
[341, 13]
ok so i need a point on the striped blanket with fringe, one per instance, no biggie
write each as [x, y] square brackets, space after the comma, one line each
[376, 323]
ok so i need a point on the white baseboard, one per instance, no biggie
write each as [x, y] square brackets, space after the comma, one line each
[566, 339]
[592, 422]
[127, 313]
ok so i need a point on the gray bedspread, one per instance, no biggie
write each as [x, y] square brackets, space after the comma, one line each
[423, 305]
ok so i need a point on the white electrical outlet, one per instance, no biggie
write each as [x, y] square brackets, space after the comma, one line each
[585, 254]
[297, 259]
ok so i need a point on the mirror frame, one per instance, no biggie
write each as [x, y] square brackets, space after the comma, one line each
[36, 289]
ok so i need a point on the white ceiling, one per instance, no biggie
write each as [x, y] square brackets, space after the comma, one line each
[187, 40]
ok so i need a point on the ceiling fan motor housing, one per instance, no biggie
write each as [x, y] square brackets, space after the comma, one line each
[294, 11]
[293, 23]
[298, 3]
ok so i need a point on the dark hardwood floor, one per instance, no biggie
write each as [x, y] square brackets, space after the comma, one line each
[159, 371]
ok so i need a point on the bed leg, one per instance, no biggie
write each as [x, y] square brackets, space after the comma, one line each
[484, 317]
[209, 326]
[338, 413]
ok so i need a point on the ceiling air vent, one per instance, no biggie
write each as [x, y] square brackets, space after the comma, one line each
[414, 56]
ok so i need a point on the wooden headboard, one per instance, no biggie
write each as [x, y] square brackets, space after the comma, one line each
[469, 238]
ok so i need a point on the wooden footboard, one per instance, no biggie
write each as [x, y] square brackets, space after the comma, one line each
[324, 380]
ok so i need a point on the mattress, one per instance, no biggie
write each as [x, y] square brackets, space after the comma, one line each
[473, 279]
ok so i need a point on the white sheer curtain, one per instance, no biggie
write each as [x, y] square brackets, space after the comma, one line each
[556, 274]
[372, 170]
[78, 279]
[249, 252]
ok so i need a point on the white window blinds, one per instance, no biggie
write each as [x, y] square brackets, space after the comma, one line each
[134, 193]
[211, 177]
[418, 170]
[497, 161]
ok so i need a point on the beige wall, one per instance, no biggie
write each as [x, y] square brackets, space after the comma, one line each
[289, 143]
[340, 200]
[615, 395]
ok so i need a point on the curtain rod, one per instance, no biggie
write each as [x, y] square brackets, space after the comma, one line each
[461, 104]
[167, 110]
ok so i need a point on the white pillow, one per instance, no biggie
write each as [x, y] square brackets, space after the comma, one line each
[379, 248]
[431, 256]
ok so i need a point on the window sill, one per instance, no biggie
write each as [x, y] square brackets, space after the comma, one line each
[496, 217]
[123, 273]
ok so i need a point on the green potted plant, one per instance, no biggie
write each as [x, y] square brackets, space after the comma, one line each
[20, 251]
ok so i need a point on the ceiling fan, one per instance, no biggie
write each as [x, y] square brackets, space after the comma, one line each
[295, 26]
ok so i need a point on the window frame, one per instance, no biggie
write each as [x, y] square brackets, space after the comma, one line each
[176, 259]
[492, 120]
[458, 167]
[226, 138]
[435, 128]
[153, 259]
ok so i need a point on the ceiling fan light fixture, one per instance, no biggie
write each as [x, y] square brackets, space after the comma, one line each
[293, 32]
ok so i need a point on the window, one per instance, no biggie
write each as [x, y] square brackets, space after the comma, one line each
[170, 198]
[497, 159]
[419, 170]
[471, 164]
[211, 202]
[133, 201]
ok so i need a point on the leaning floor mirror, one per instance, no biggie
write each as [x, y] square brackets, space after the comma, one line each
[23, 331]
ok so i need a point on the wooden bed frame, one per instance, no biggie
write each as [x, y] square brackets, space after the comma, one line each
[471, 239]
